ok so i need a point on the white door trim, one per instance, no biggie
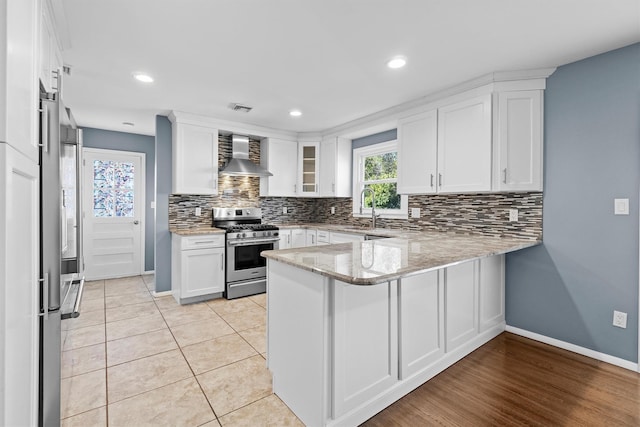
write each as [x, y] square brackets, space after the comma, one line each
[142, 192]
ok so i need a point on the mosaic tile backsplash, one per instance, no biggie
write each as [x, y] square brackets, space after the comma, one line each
[485, 214]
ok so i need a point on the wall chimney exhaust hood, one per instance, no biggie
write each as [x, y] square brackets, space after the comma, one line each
[240, 165]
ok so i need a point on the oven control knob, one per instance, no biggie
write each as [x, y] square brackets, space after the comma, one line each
[243, 235]
[268, 233]
[255, 234]
[275, 233]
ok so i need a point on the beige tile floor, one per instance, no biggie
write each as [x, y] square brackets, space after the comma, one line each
[134, 360]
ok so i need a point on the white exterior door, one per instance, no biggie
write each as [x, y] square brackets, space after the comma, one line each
[114, 183]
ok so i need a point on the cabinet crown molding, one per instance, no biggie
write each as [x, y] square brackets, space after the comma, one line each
[228, 126]
[387, 119]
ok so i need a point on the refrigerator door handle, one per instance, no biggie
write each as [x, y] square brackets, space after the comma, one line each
[44, 310]
[44, 131]
[76, 305]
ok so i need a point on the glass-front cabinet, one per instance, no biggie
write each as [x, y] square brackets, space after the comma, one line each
[308, 167]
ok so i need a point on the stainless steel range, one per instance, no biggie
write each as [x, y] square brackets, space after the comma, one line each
[246, 270]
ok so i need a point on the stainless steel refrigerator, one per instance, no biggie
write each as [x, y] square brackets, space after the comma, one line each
[60, 243]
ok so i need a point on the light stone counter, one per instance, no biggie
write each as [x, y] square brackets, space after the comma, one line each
[196, 231]
[377, 261]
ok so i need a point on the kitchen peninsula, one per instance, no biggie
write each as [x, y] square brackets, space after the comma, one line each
[353, 327]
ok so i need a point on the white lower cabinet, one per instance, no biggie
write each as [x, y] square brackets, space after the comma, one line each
[365, 341]
[298, 238]
[460, 295]
[19, 292]
[322, 237]
[197, 267]
[421, 322]
[336, 237]
[311, 237]
[360, 348]
[285, 239]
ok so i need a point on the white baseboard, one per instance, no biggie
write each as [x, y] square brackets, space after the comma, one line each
[149, 272]
[575, 348]
[161, 294]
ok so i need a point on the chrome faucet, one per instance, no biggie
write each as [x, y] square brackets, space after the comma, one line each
[373, 204]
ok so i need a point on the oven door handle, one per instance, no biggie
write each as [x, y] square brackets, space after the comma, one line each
[250, 242]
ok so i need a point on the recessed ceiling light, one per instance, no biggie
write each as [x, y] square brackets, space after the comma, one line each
[144, 78]
[397, 62]
[128, 124]
[295, 113]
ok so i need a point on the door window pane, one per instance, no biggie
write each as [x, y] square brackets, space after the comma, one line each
[113, 184]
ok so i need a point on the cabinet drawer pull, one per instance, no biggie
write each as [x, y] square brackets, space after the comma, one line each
[440, 179]
[504, 175]
[221, 262]
[431, 180]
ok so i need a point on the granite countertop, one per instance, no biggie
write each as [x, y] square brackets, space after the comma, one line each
[196, 231]
[351, 229]
[376, 261]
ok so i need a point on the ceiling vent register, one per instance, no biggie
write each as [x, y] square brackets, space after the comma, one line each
[240, 107]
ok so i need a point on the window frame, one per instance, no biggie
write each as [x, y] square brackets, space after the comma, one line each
[359, 154]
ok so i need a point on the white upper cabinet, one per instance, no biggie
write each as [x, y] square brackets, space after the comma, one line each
[50, 58]
[18, 76]
[308, 154]
[335, 167]
[464, 146]
[195, 158]
[518, 141]
[280, 158]
[417, 153]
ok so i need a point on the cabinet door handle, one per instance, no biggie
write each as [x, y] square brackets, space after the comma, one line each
[504, 175]
[294, 187]
[440, 179]
[431, 180]
[289, 239]
[221, 262]
[333, 187]
[313, 239]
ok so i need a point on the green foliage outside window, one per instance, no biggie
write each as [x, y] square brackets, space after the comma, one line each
[380, 168]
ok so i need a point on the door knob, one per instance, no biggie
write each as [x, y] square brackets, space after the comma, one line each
[136, 222]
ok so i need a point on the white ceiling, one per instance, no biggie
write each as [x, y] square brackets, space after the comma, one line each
[324, 57]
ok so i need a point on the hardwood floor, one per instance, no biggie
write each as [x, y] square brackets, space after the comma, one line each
[516, 381]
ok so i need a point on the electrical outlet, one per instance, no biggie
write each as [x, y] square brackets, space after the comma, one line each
[513, 215]
[198, 211]
[284, 210]
[333, 210]
[619, 319]
[621, 206]
[415, 212]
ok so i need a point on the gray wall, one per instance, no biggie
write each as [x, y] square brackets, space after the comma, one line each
[587, 267]
[122, 141]
[163, 183]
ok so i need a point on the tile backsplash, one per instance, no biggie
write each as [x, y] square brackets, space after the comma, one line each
[462, 213]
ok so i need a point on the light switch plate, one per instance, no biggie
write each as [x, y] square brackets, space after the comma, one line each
[198, 211]
[284, 210]
[415, 212]
[333, 210]
[621, 206]
[513, 215]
